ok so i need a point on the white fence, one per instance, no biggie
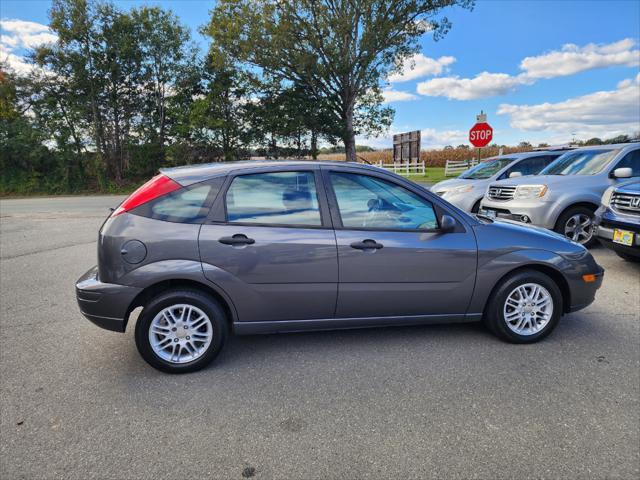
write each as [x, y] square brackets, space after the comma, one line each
[457, 167]
[405, 168]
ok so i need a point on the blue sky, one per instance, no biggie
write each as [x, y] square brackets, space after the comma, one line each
[543, 71]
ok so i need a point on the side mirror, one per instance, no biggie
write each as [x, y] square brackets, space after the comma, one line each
[624, 172]
[515, 174]
[447, 224]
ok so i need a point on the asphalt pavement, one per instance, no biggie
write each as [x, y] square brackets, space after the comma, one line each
[449, 401]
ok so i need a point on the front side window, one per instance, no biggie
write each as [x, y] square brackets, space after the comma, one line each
[373, 203]
[280, 198]
[531, 166]
[581, 162]
[631, 160]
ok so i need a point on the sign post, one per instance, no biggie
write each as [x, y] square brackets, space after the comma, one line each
[481, 133]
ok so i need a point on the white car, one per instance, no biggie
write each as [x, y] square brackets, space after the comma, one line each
[467, 190]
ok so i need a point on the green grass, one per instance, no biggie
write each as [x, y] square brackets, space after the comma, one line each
[433, 175]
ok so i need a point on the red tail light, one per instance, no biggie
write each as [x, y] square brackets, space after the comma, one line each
[154, 188]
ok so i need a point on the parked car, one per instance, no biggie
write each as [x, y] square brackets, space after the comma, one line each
[617, 221]
[264, 247]
[467, 190]
[566, 194]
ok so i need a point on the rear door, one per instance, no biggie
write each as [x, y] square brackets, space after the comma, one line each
[393, 258]
[269, 244]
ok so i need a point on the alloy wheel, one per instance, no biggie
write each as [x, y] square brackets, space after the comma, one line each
[180, 333]
[579, 228]
[528, 309]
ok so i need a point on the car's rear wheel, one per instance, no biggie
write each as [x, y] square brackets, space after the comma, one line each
[525, 307]
[577, 225]
[181, 331]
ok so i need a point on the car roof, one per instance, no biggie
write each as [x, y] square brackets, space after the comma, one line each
[189, 174]
[609, 146]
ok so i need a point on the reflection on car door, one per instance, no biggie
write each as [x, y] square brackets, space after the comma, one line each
[273, 248]
[393, 259]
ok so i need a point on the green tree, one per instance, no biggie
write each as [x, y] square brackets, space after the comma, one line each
[339, 50]
[167, 55]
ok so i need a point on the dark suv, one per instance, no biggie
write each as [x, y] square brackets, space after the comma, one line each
[617, 220]
[263, 247]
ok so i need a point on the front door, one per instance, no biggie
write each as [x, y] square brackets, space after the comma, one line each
[273, 252]
[394, 260]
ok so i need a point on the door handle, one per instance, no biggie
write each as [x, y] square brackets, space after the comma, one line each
[237, 239]
[367, 244]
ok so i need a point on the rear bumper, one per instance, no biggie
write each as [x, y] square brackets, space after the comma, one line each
[105, 304]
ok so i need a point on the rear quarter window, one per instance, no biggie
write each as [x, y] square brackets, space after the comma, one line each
[188, 205]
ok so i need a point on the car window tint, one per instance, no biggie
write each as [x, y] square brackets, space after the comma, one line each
[369, 202]
[631, 160]
[187, 205]
[282, 198]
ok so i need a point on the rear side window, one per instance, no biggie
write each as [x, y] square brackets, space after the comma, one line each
[279, 198]
[186, 205]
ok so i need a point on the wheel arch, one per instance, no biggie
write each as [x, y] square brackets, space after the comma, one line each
[157, 288]
[586, 204]
[553, 273]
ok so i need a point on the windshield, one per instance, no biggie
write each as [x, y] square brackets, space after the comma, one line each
[486, 169]
[581, 162]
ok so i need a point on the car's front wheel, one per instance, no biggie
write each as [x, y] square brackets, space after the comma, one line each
[525, 307]
[181, 331]
[577, 225]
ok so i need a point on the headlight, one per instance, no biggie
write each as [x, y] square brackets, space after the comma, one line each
[460, 189]
[531, 191]
[606, 197]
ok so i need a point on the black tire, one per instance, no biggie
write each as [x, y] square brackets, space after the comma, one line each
[570, 212]
[627, 257]
[166, 299]
[476, 207]
[494, 314]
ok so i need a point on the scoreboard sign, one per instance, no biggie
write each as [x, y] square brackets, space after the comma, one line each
[406, 147]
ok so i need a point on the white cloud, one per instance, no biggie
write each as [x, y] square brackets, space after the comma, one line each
[421, 66]
[571, 59]
[430, 138]
[390, 95]
[482, 85]
[602, 114]
[21, 35]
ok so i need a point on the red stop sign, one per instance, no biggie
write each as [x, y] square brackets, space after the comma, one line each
[480, 135]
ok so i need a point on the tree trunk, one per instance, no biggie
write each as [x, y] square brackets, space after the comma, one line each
[348, 136]
[314, 144]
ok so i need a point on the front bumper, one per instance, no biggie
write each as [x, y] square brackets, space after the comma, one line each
[464, 201]
[536, 212]
[105, 304]
[606, 221]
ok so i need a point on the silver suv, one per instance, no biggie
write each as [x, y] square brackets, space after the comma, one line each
[565, 195]
[467, 190]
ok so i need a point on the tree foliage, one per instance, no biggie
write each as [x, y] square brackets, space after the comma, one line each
[338, 51]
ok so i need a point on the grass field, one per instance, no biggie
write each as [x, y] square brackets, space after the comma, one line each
[433, 175]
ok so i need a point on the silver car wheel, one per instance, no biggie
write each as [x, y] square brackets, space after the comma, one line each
[579, 228]
[180, 333]
[528, 309]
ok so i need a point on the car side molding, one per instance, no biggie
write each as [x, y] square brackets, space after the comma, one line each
[290, 326]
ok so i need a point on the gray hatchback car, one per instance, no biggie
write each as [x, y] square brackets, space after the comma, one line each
[264, 247]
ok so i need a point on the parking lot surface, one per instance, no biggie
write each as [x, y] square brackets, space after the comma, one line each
[446, 401]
